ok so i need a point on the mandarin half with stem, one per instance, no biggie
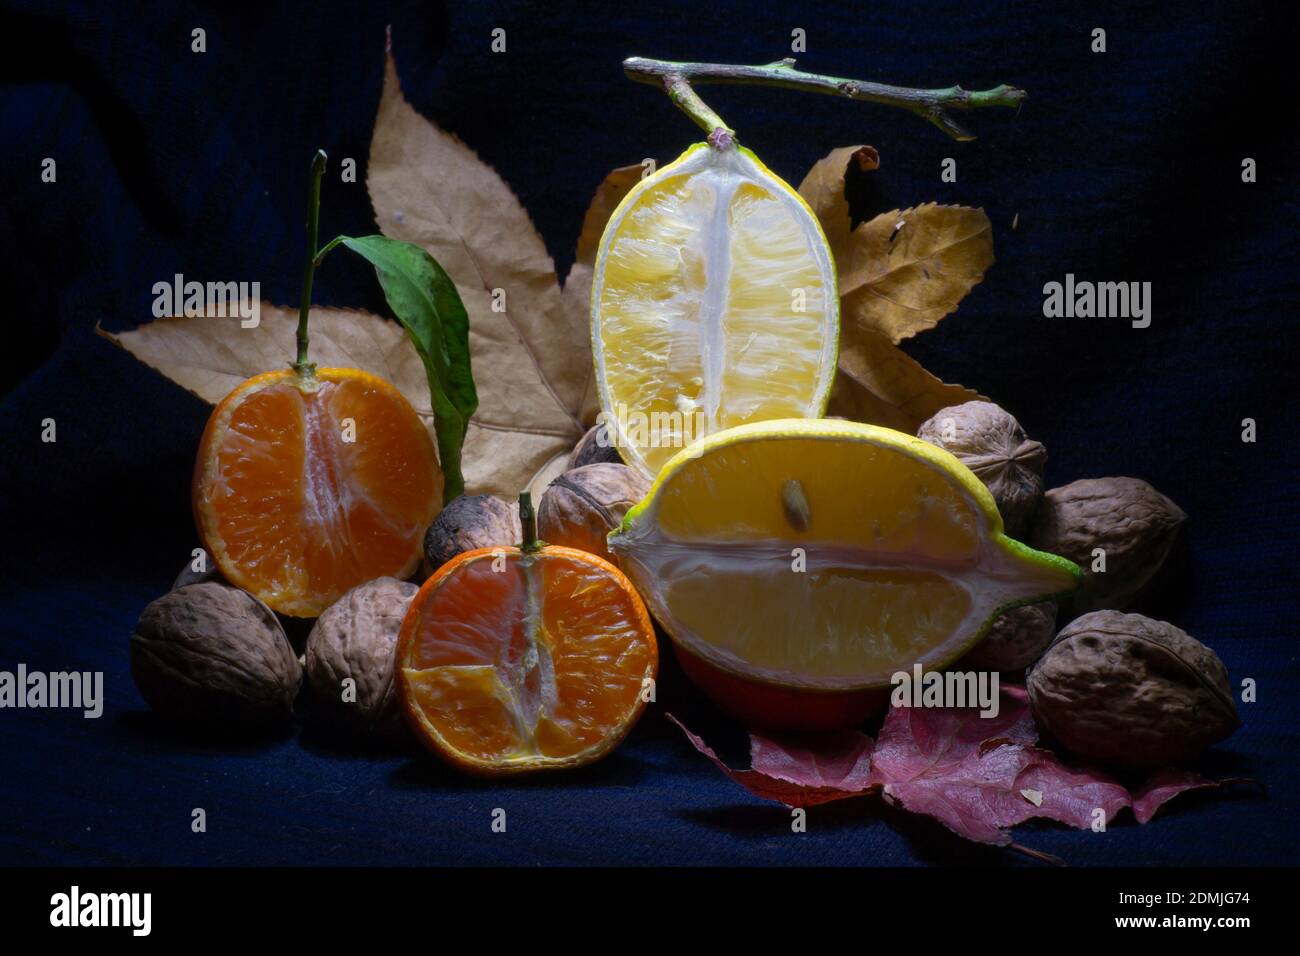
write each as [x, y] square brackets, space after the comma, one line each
[307, 485]
[519, 659]
[309, 481]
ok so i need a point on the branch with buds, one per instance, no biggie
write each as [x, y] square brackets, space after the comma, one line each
[680, 79]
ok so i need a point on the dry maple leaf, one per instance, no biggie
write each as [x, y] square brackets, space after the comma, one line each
[903, 271]
[532, 363]
[877, 381]
[823, 190]
[978, 776]
[835, 767]
[532, 358]
[880, 383]
[906, 269]
[209, 355]
[576, 299]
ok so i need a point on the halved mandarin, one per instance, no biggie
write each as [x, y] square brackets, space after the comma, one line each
[512, 661]
[307, 485]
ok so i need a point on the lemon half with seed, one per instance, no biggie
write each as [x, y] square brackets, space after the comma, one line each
[713, 305]
[826, 556]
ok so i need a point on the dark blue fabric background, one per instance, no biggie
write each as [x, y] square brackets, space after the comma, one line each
[1122, 166]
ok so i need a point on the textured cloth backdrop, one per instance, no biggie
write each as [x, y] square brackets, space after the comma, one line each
[1121, 166]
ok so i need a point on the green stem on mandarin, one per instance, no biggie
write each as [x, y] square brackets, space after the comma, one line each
[528, 520]
[931, 105]
[303, 366]
[449, 457]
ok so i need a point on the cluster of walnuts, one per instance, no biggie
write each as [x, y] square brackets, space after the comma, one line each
[1115, 687]
[212, 655]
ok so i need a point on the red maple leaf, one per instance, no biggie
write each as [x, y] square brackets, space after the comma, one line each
[978, 776]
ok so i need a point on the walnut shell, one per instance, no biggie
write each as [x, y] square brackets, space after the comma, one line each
[355, 639]
[470, 522]
[211, 654]
[584, 505]
[593, 448]
[1131, 691]
[990, 442]
[1128, 519]
[1015, 640]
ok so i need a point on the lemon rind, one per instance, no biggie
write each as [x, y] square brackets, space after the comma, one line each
[828, 429]
[830, 352]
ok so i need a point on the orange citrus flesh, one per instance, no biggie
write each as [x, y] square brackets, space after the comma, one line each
[306, 486]
[512, 662]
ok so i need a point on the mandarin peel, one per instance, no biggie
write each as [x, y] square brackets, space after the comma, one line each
[525, 658]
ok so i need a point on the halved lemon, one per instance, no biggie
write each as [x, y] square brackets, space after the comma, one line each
[713, 305]
[824, 557]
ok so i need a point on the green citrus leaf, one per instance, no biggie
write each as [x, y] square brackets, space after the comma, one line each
[424, 299]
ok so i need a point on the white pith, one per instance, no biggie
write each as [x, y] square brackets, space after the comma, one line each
[723, 172]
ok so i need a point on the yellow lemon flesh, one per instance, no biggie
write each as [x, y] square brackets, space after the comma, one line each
[713, 305]
[826, 555]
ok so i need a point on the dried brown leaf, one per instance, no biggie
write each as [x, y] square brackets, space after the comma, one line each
[823, 190]
[905, 270]
[889, 291]
[531, 361]
[880, 384]
[209, 355]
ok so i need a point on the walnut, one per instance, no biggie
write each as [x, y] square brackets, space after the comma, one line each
[593, 448]
[1134, 525]
[1015, 640]
[584, 505]
[211, 654]
[1131, 691]
[354, 641]
[470, 522]
[991, 443]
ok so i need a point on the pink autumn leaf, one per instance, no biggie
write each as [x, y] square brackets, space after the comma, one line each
[967, 791]
[1166, 784]
[802, 773]
[1070, 796]
[917, 742]
[840, 762]
[980, 775]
